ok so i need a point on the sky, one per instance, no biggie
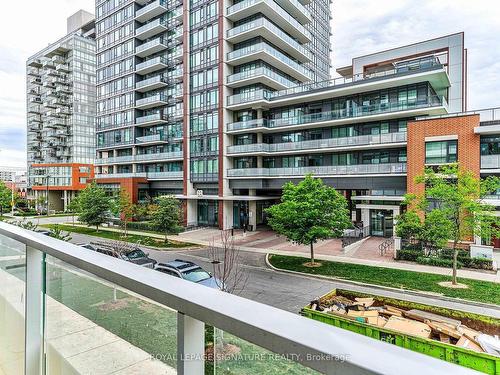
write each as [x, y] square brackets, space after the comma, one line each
[359, 27]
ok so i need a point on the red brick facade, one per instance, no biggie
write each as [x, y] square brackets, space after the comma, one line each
[468, 145]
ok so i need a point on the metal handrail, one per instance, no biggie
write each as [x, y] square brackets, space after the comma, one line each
[386, 246]
[308, 342]
[354, 235]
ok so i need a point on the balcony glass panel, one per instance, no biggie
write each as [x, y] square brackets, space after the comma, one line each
[96, 327]
[264, 47]
[279, 10]
[12, 305]
[276, 30]
[257, 72]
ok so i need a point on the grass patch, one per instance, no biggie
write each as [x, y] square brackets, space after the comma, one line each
[132, 238]
[481, 291]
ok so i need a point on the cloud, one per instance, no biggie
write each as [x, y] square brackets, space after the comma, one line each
[361, 27]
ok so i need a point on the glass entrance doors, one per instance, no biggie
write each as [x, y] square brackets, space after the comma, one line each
[381, 223]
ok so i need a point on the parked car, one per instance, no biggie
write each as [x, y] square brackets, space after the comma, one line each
[45, 232]
[88, 246]
[131, 254]
[189, 271]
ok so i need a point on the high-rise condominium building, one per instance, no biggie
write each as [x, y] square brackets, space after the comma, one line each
[61, 107]
[168, 73]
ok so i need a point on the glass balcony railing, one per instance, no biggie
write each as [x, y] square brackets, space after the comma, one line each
[151, 62]
[276, 8]
[413, 66]
[66, 309]
[151, 100]
[362, 169]
[140, 158]
[264, 47]
[159, 137]
[353, 112]
[165, 175]
[159, 116]
[160, 78]
[150, 26]
[262, 22]
[149, 7]
[262, 71]
[490, 161]
[152, 43]
[122, 175]
[360, 140]
[249, 97]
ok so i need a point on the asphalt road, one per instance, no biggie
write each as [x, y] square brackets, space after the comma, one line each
[288, 291]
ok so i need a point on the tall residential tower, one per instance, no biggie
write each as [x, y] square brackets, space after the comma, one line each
[61, 97]
[168, 73]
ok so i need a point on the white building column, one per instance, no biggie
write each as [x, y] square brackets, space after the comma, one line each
[252, 210]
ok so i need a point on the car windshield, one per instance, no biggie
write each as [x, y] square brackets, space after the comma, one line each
[136, 254]
[196, 275]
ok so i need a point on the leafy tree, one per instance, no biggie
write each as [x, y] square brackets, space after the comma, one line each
[309, 211]
[457, 197]
[74, 207]
[166, 215]
[5, 197]
[94, 205]
[409, 226]
[58, 233]
[126, 209]
[436, 229]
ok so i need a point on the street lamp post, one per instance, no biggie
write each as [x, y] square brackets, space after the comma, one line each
[47, 192]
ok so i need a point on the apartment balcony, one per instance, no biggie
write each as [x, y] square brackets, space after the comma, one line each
[153, 119]
[490, 163]
[263, 27]
[152, 83]
[33, 72]
[272, 10]
[151, 65]
[121, 175]
[330, 170]
[322, 145]
[269, 54]
[151, 47]
[259, 75]
[152, 138]
[64, 89]
[152, 10]
[48, 64]
[245, 125]
[296, 9]
[35, 81]
[170, 175]
[35, 63]
[35, 109]
[63, 68]
[46, 324]
[115, 160]
[151, 29]
[160, 156]
[433, 105]
[151, 101]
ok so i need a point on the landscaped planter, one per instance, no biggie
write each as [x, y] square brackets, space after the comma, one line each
[482, 362]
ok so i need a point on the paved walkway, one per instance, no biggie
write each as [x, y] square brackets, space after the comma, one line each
[268, 242]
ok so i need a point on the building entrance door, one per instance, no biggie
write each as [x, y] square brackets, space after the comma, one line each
[381, 223]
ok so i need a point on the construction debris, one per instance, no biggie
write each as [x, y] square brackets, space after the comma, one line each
[410, 322]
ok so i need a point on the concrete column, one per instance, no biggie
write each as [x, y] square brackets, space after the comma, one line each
[395, 213]
[190, 345]
[365, 217]
[259, 113]
[227, 218]
[65, 200]
[252, 210]
[192, 211]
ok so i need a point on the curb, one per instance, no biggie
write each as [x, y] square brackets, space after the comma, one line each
[386, 288]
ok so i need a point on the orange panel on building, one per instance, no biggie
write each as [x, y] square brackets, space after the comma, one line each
[77, 173]
[131, 185]
[468, 145]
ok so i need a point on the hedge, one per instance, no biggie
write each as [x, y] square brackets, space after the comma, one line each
[444, 258]
[438, 262]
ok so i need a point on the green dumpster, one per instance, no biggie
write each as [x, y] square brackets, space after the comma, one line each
[482, 362]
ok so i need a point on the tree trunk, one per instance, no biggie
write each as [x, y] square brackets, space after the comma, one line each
[312, 253]
[455, 257]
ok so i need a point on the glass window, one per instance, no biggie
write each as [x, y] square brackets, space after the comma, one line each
[441, 152]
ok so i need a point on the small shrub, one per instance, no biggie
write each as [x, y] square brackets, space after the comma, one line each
[409, 254]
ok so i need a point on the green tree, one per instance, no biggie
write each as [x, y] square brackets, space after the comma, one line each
[166, 215]
[309, 211]
[58, 233]
[409, 226]
[126, 209]
[5, 198]
[94, 205]
[456, 196]
[74, 208]
[436, 229]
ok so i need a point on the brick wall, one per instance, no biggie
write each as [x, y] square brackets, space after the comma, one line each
[468, 145]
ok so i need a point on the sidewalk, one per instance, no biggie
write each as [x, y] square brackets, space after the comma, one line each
[189, 237]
